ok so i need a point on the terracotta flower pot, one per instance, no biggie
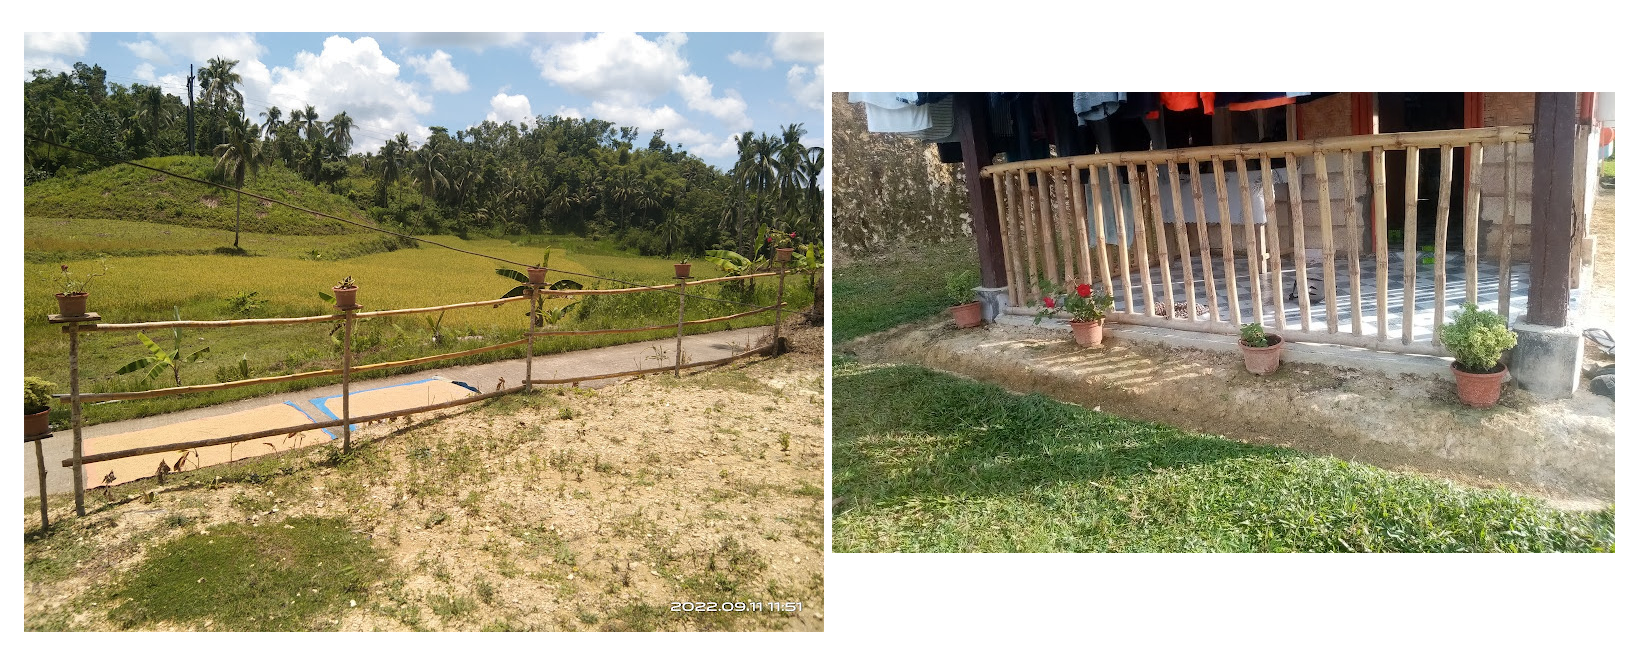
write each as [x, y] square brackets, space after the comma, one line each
[967, 315]
[1087, 333]
[1262, 361]
[72, 305]
[345, 299]
[35, 424]
[538, 276]
[680, 270]
[1479, 390]
[782, 254]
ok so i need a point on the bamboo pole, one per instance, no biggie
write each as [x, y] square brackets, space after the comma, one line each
[45, 506]
[1380, 210]
[433, 309]
[679, 357]
[1003, 212]
[1251, 238]
[1154, 197]
[1080, 223]
[632, 290]
[640, 372]
[1470, 222]
[1408, 258]
[1273, 226]
[1138, 219]
[1202, 242]
[349, 324]
[1357, 319]
[1119, 218]
[778, 311]
[78, 421]
[1345, 339]
[1295, 197]
[1442, 217]
[1063, 211]
[1222, 190]
[1185, 245]
[1488, 135]
[1329, 245]
[530, 335]
[206, 324]
[1101, 228]
[1019, 193]
[1504, 293]
[1040, 197]
[283, 431]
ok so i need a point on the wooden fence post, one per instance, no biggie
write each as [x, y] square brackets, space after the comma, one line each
[349, 322]
[677, 363]
[78, 433]
[530, 335]
[39, 459]
[778, 308]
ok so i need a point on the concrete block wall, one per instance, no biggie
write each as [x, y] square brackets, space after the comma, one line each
[1493, 199]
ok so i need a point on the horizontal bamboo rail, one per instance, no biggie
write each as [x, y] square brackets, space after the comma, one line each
[436, 309]
[658, 327]
[1226, 329]
[661, 369]
[208, 324]
[283, 431]
[687, 283]
[1379, 141]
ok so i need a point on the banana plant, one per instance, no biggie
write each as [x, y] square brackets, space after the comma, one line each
[159, 360]
[544, 315]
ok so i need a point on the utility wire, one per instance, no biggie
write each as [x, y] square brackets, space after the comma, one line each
[384, 231]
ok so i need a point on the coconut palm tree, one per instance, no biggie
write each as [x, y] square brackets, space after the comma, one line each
[157, 109]
[428, 172]
[238, 157]
[338, 132]
[220, 89]
[273, 121]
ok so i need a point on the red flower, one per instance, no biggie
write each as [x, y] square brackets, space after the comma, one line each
[1049, 302]
[1083, 290]
[770, 239]
[793, 235]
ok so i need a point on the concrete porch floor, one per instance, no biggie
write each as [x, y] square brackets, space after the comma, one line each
[1395, 411]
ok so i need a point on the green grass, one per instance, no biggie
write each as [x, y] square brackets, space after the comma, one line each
[1608, 167]
[909, 284]
[287, 577]
[927, 462]
[181, 269]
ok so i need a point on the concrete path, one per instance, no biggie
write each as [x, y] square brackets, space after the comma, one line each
[699, 349]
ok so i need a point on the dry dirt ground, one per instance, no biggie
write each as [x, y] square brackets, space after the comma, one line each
[571, 509]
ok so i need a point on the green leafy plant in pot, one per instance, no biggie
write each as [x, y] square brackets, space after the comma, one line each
[75, 294]
[962, 289]
[1261, 352]
[1477, 339]
[681, 270]
[344, 295]
[36, 405]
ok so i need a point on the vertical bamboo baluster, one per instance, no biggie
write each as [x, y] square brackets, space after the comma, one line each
[1470, 223]
[1019, 193]
[1185, 245]
[778, 312]
[677, 366]
[349, 323]
[1356, 314]
[78, 421]
[1222, 191]
[1080, 223]
[1124, 271]
[1040, 196]
[1504, 293]
[1020, 277]
[1154, 196]
[1408, 258]
[1202, 241]
[1380, 224]
[1274, 238]
[1011, 269]
[1250, 233]
[1329, 247]
[1105, 272]
[1295, 198]
[1138, 219]
[530, 336]
[1060, 224]
[1442, 216]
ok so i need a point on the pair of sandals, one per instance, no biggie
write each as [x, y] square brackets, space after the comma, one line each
[1603, 377]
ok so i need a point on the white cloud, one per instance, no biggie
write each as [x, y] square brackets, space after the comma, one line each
[808, 92]
[516, 108]
[706, 145]
[66, 44]
[752, 60]
[805, 47]
[730, 109]
[145, 71]
[442, 76]
[33, 62]
[198, 48]
[147, 50]
[647, 119]
[569, 113]
[357, 78]
[623, 68]
[475, 41]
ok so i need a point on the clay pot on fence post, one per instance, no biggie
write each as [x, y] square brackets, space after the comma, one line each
[344, 298]
[538, 276]
[72, 305]
[680, 270]
[782, 254]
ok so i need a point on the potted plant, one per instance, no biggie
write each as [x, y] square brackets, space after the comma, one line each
[1477, 338]
[681, 270]
[70, 302]
[538, 274]
[36, 405]
[782, 254]
[962, 288]
[1261, 352]
[1089, 311]
[344, 294]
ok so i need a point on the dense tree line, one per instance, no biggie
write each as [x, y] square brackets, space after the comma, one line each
[554, 175]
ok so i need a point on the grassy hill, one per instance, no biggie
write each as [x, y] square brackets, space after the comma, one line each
[128, 193]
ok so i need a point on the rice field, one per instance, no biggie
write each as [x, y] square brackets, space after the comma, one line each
[159, 268]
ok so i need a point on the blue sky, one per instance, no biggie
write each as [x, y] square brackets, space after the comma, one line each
[703, 88]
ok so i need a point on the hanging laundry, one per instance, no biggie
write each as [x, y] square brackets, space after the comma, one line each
[1180, 102]
[940, 126]
[890, 112]
[1095, 106]
[924, 98]
[889, 100]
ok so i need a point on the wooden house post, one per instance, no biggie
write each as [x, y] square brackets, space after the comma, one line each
[1552, 206]
[976, 143]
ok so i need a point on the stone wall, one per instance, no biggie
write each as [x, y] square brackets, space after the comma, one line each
[888, 189]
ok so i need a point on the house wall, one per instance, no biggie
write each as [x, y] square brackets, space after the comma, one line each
[1325, 118]
[887, 189]
[1507, 109]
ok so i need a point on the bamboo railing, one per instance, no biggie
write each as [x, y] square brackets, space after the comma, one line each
[90, 323]
[1067, 220]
